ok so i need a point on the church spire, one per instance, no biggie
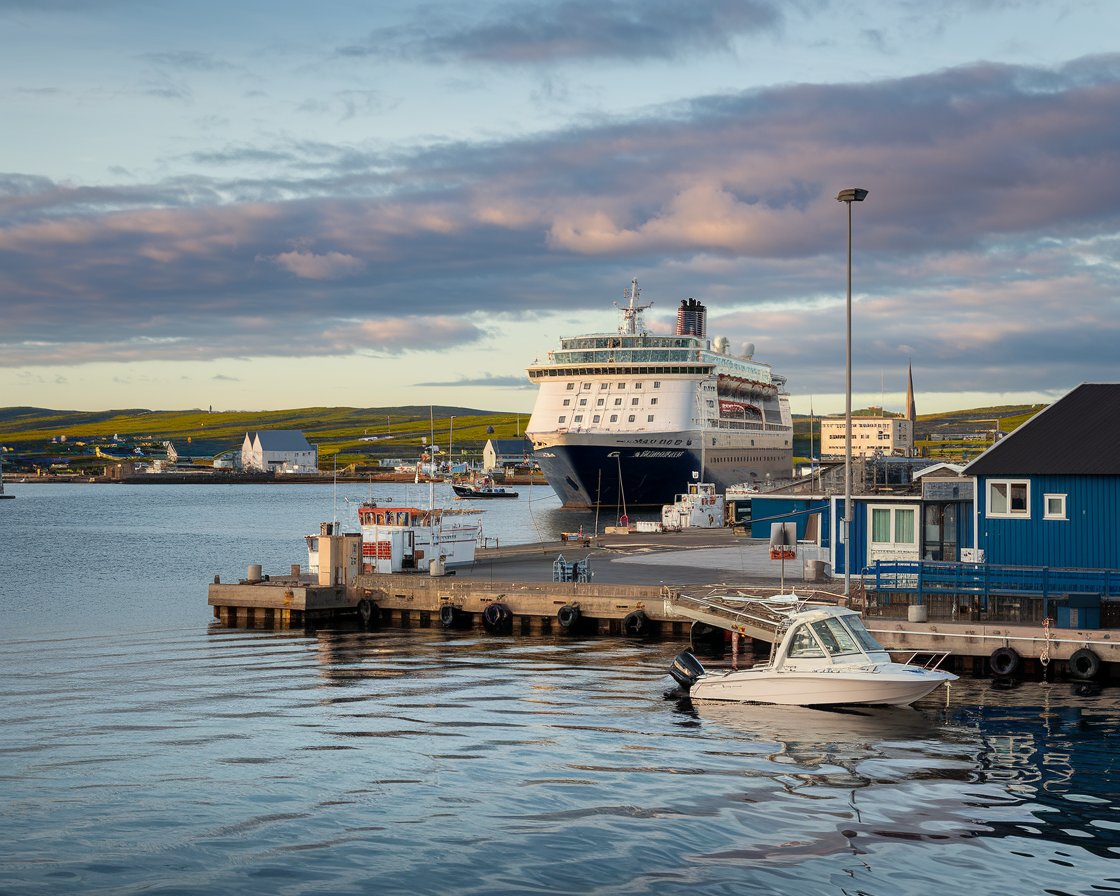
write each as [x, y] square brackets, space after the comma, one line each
[911, 412]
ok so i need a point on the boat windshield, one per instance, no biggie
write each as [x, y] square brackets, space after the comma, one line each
[803, 644]
[862, 635]
[837, 640]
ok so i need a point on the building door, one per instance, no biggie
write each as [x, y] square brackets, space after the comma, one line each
[940, 532]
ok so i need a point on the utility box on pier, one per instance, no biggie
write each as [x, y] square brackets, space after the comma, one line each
[1079, 610]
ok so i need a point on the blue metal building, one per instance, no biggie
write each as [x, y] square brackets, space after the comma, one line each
[1048, 494]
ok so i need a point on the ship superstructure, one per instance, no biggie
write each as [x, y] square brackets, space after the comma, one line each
[630, 418]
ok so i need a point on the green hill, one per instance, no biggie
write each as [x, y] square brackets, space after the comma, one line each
[342, 434]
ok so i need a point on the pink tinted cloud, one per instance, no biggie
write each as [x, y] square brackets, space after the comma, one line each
[400, 334]
[313, 266]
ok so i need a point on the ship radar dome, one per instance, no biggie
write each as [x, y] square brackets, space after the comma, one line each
[748, 350]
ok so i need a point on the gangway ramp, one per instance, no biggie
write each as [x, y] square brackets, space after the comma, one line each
[756, 617]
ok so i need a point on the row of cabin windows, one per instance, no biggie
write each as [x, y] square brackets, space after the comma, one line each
[602, 386]
[598, 418]
[600, 402]
[1011, 498]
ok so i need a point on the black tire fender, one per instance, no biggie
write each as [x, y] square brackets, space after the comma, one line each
[1005, 661]
[1084, 665]
[496, 618]
[567, 616]
[635, 624]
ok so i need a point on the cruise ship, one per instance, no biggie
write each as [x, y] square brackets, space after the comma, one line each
[630, 419]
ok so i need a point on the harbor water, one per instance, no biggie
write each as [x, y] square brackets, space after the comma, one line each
[145, 750]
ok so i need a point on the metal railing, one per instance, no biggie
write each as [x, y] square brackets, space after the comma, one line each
[926, 579]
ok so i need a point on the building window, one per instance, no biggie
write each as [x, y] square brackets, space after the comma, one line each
[631, 418]
[595, 419]
[571, 386]
[583, 402]
[587, 385]
[604, 385]
[649, 419]
[633, 401]
[653, 401]
[622, 385]
[562, 419]
[617, 402]
[567, 401]
[892, 525]
[578, 418]
[1055, 507]
[614, 418]
[657, 384]
[1009, 498]
[637, 385]
[599, 402]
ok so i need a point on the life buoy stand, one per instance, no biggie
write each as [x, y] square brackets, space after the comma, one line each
[366, 608]
[635, 624]
[1084, 665]
[1005, 661]
[497, 619]
[568, 616]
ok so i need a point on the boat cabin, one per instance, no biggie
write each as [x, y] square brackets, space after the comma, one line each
[827, 637]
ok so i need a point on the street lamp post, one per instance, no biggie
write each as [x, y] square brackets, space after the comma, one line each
[855, 194]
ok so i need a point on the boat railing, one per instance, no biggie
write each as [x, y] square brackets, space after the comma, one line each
[927, 659]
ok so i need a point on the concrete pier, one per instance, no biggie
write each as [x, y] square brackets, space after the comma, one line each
[633, 576]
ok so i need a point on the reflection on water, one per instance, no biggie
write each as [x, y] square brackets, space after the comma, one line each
[142, 751]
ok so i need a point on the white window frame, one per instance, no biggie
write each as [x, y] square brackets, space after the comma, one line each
[893, 530]
[1060, 514]
[1008, 514]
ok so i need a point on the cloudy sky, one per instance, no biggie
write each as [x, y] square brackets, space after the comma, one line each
[279, 204]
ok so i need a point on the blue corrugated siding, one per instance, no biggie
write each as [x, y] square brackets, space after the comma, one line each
[1088, 539]
[766, 511]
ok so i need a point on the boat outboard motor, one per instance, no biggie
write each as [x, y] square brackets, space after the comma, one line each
[686, 669]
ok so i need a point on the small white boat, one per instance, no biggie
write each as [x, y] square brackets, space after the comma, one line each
[825, 657]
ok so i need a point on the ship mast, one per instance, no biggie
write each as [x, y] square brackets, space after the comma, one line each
[631, 323]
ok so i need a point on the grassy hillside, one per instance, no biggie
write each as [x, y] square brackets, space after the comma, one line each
[337, 431]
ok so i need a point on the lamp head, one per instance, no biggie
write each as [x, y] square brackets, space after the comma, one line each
[855, 194]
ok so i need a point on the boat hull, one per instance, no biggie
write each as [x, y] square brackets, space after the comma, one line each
[654, 471]
[467, 492]
[896, 685]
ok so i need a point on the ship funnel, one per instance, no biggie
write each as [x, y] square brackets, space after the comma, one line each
[691, 318]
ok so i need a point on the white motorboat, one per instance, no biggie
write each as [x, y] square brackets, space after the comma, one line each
[823, 656]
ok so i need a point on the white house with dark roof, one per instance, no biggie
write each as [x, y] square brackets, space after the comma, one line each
[280, 451]
[499, 453]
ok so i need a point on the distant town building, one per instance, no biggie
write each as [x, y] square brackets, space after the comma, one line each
[279, 450]
[501, 453]
[890, 436]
